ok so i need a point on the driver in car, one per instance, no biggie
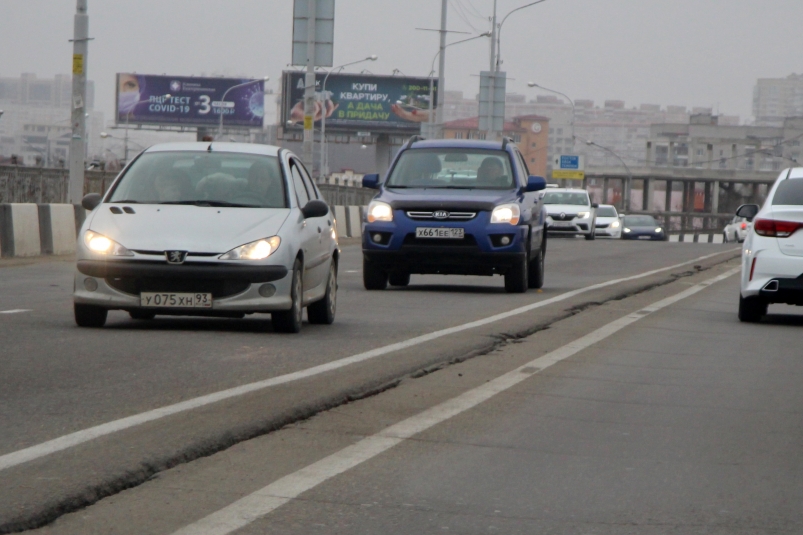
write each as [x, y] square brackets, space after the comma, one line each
[491, 173]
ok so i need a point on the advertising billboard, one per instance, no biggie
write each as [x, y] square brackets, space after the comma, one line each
[360, 102]
[193, 101]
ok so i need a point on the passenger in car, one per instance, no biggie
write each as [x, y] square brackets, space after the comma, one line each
[266, 185]
[218, 186]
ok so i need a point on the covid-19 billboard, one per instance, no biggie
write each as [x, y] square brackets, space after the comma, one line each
[143, 99]
[360, 102]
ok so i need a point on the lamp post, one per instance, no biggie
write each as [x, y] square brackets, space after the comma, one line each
[223, 99]
[626, 192]
[571, 124]
[324, 170]
[128, 117]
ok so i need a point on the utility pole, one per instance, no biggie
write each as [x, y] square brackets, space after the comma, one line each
[441, 72]
[309, 89]
[78, 103]
[494, 71]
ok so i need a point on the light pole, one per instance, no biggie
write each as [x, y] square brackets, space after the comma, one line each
[626, 192]
[128, 117]
[324, 170]
[571, 125]
[223, 99]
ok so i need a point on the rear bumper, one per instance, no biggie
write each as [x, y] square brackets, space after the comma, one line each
[780, 290]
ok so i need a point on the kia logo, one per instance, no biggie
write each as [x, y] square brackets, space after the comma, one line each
[440, 214]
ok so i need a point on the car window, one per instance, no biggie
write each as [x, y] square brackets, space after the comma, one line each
[311, 190]
[191, 177]
[298, 183]
[640, 221]
[456, 168]
[523, 164]
[789, 192]
[567, 197]
[606, 211]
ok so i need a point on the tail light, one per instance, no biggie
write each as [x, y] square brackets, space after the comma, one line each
[777, 229]
[744, 226]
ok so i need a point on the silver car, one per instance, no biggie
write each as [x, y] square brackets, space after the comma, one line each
[570, 212]
[608, 221]
[736, 230]
[209, 229]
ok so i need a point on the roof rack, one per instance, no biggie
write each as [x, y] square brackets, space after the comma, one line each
[412, 140]
[505, 141]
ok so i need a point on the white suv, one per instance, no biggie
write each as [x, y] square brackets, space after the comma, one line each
[772, 256]
[570, 211]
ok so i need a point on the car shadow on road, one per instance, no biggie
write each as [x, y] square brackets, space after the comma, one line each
[791, 320]
[256, 324]
[449, 288]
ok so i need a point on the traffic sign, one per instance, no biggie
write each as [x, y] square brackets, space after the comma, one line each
[569, 162]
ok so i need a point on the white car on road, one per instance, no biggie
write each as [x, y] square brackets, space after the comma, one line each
[208, 229]
[772, 255]
[608, 222]
[570, 212]
[736, 230]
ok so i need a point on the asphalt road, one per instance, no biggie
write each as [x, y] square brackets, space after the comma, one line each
[56, 379]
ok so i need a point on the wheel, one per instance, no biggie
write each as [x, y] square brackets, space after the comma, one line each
[141, 314]
[516, 277]
[90, 315]
[289, 321]
[323, 312]
[397, 278]
[373, 278]
[535, 271]
[751, 309]
[725, 237]
[593, 234]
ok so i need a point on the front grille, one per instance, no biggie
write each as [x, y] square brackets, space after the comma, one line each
[566, 217]
[162, 253]
[467, 241]
[453, 216]
[218, 288]
[603, 225]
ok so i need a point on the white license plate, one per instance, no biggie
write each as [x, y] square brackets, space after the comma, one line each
[645, 237]
[562, 224]
[175, 300]
[443, 233]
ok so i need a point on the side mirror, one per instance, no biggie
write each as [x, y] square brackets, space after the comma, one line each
[748, 211]
[371, 181]
[594, 205]
[535, 183]
[315, 208]
[91, 201]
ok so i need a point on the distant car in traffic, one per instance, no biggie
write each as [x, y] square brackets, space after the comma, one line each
[208, 229]
[570, 212]
[455, 207]
[642, 227]
[772, 255]
[608, 222]
[736, 230]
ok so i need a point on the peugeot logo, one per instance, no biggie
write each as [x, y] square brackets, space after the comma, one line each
[440, 214]
[175, 257]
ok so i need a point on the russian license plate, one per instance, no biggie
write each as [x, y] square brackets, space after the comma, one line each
[443, 233]
[562, 224]
[175, 300]
[645, 237]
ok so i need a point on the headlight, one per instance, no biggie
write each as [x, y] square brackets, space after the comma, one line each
[98, 243]
[659, 229]
[626, 230]
[583, 215]
[615, 224]
[379, 211]
[256, 250]
[506, 213]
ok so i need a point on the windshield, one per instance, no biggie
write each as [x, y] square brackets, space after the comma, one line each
[640, 221]
[606, 211]
[566, 197]
[789, 192]
[205, 179]
[452, 168]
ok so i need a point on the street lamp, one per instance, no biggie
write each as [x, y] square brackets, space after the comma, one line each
[571, 125]
[223, 99]
[626, 193]
[128, 117]
[324, 170]
[499, 31]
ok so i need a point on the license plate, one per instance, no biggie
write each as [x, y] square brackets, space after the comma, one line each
[443, 233]
[175, 300]
[562, 224]
[645, 237]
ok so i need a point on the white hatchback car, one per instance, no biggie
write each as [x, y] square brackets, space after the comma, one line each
[208, 229]
[736, 230]
[772, 255]
[608, 222]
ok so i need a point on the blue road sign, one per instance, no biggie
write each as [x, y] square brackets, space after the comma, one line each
[569, 162]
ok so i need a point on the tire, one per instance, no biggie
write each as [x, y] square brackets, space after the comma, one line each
[397, 278]
[90, 315]
[289, 321]
[141, 314]
[751, 309]
[516, 277]
[373, 278]
[322, 312]
[725, 237]
[592, 235]
[535, 271]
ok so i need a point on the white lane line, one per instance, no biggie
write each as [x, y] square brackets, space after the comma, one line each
[79, 437]
[267, 499]
[15, 311]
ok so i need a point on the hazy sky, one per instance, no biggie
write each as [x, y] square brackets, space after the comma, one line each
[685, 52]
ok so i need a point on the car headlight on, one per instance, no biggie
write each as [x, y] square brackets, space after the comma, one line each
[506, 213]
[98, 243]
[659, 229]
[256, 250]
[379, 211]
[626, 230]
[615, 224]
[583, 215]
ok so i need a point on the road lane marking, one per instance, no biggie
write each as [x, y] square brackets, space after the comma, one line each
[15, 311]
[79, 437]
[267, 499]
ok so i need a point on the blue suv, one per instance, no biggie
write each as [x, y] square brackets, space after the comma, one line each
[455, 207]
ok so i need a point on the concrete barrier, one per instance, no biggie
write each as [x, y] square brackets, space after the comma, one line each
[354, 221]
[19, 227]
[342, 222]
[57, 230]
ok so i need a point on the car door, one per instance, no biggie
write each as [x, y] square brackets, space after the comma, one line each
[319, 262]
[306, 229]
[530, 205]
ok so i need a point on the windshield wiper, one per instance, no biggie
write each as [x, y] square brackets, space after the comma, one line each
[216, 204]
[393, 186]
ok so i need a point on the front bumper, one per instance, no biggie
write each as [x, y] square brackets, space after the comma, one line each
[654, 236]
[607, 230]
[234, 288]
[574, 226]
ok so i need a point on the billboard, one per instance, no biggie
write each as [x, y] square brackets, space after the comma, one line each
[360, 102]
[193, 101]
